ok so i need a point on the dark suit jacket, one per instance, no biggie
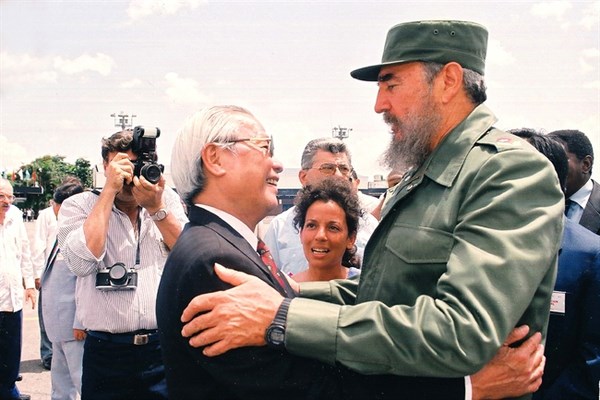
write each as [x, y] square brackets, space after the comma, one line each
[573, 343]
[590, 219]
[253, 372]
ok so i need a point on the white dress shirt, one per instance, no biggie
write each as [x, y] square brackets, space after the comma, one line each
[235, 223]
[46, 228]
[580, 198]
[15, 261]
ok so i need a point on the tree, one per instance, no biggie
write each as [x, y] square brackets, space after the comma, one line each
[48, 172]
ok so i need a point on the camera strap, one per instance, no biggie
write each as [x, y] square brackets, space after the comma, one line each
[139, 234]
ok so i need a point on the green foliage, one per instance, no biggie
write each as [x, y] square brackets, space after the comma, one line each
[48, 172]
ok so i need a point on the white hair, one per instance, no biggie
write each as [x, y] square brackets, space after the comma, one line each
[217, 124]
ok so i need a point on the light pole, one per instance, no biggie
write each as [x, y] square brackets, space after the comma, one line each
[124, 120]
[340, 132]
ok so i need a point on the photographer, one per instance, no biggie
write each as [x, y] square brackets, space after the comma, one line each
[128, 228]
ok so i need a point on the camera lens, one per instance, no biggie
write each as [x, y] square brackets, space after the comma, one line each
[118, 274]
[151, 172]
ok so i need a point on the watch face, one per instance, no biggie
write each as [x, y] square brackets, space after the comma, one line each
[160, 215]
[276, 335]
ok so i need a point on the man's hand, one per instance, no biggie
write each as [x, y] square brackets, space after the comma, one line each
[147, 194]
[232, 318]
[118, 172]
[30, 295]
[513, 371]
[79, 334]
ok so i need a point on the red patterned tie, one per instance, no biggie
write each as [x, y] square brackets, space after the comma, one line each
[265, 255]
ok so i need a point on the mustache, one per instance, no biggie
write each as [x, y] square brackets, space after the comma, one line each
[390, 119]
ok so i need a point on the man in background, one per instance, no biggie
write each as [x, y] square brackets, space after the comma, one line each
[573, 345]
[15, 271]
[583, 193]
[64, 330]
[43, 240]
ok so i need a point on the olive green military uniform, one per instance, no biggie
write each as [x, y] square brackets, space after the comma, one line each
[466, 250]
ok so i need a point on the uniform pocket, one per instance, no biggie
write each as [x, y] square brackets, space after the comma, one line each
[419, 244]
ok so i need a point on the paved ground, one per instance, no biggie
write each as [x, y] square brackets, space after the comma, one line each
[36, 380]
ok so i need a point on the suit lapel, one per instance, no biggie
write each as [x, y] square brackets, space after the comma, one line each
[200, 216]
[590, 218]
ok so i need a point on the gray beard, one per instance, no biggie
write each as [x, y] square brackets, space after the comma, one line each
[413, 147]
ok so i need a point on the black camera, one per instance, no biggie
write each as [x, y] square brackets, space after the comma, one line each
[117, 277]
[144, 146]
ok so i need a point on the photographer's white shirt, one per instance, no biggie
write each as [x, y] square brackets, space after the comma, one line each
[116, 311]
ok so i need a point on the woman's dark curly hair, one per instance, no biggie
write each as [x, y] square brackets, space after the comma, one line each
[340, 192]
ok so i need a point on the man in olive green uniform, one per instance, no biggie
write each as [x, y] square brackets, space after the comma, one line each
[466, 248]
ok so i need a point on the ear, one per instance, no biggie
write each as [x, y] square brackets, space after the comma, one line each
[211, 155]
[586, 164]
[104, 165]
[451, 81]
[302, 177]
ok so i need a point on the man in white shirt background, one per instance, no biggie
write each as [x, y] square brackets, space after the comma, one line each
[15, 270]
[43, 240]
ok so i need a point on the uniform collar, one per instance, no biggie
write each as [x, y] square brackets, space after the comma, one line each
[444, 164]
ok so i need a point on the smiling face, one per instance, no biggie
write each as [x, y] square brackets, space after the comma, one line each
[252, 175]
[324, 235]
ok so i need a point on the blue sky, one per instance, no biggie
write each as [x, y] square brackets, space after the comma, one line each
[66, 66]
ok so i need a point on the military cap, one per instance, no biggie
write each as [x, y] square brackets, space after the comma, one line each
[436, 41]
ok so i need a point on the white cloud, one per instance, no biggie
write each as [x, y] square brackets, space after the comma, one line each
[548, 9]
[18, 69]
[498, 55]
[100, 63]
[12, 155]
[184, 91]
[591, 16]
[139, 9]
[24, 68]
[133, 83]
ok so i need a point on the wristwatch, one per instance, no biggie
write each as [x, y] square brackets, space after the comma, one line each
[275, 334]
[159, 215]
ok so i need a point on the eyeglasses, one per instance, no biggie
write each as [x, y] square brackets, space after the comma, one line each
[7, 197]
[329, 169]
[264, 145]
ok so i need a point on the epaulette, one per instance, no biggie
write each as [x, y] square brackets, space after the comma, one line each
[501, 140]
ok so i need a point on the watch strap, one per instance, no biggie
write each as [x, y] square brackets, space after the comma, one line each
[282, 311]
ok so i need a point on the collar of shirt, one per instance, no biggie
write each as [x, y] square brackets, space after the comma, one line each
[235, 223]
[455, 146]
[582, 196]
